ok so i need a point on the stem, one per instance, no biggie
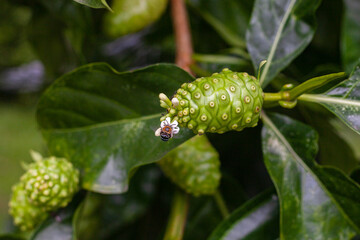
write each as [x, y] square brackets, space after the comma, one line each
[272, 97]
[184, 49]
[221, 204]
[178, 214]
[314, 83]
[298, 91]
[318, 98]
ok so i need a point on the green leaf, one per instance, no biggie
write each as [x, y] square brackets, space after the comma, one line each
[308, 193]
[335, 150]
[279, 31]
[350, 35]
[95, 3]
[104, 121]
[99, 216]
[59, 225]
[343, 100]
[256, 219]
[228, 17]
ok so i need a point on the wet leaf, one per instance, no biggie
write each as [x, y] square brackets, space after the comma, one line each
[343, 100]
[257, 219]
[308, 193]
[278, 32]
[104, 121]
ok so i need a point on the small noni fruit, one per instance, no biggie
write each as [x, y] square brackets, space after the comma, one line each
[51, 182]
[26, 215]
[194, 166]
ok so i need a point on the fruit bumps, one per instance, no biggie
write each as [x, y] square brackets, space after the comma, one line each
[194, 166]
[26, 215]
[51, 182]
[222, 102]
[48, 184]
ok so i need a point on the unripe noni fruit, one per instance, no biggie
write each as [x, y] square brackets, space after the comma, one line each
[194, 166]
[222, 102]
[132, 15]
[26, 215]
[51, 182]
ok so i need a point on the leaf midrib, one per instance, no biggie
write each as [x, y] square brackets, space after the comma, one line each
[102, 125]
[269, 123]
[276, 41]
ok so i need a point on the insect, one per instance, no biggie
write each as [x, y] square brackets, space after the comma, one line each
[168, 129]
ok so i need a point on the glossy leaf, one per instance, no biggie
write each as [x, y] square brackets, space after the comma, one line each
[343, 100]
[308, 193]
[333, 145]
[350, 36]
[257, 219]
[104, 121]
[94, 3]
[278, 32]
[228, 17]
[99, 216]
[59, 225]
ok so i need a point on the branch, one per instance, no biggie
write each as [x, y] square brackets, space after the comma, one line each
[177, 219]
[184, 48]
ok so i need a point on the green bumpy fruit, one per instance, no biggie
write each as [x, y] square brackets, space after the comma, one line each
[26, 215]
[51, 182]
[194, 166]
[222, 102]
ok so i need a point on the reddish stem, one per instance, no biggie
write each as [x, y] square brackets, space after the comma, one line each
[184, 49]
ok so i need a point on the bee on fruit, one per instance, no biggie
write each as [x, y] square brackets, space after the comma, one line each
[167, 130]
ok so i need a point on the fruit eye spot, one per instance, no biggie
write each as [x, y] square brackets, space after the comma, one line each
[212, 104]
[247, 99]
[203, 118]
[223, 97]
[238, 110]
[232, 88]
[206, 86]
[197, 95]
[248, 120]
[192, 110]
[253, 88]
[224, 116]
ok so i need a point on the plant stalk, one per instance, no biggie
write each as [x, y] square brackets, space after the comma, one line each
[178, 215]
[294, 93]
[221, 204]
[184, 48]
